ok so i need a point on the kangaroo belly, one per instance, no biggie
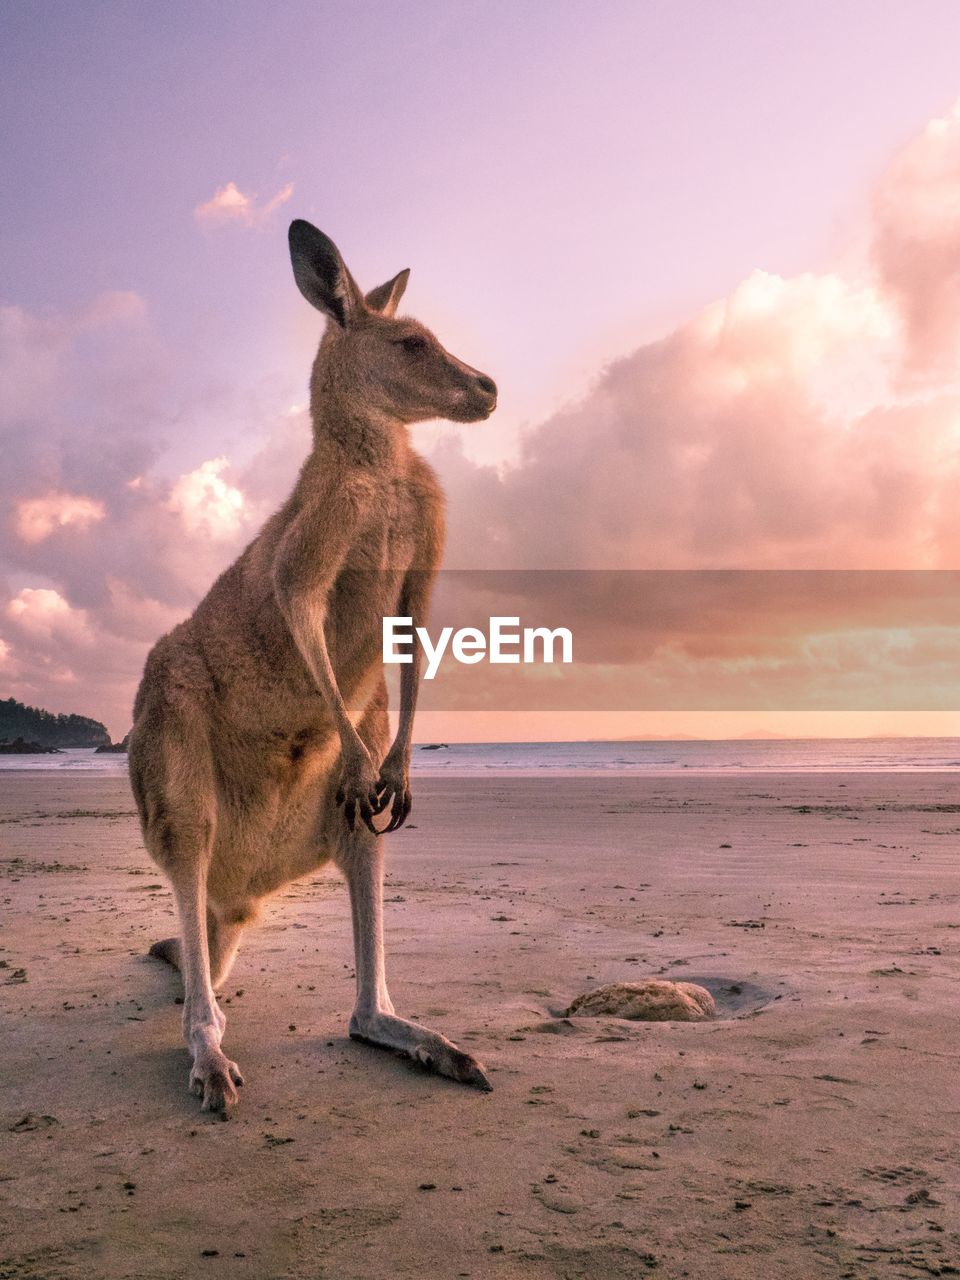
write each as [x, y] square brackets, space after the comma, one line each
[270, 818]
[275, 795]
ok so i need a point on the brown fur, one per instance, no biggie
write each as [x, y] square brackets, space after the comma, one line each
[270, 700]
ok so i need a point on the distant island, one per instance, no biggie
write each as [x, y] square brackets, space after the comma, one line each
[20, 748]
[43, 730]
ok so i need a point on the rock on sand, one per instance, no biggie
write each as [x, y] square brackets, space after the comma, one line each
[653, 1001]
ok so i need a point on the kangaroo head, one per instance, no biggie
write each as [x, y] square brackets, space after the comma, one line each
[395, 366]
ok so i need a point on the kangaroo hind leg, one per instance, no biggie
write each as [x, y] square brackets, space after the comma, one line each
[213, 1076]
[374, 1021]
[223, 940]
[179, 832]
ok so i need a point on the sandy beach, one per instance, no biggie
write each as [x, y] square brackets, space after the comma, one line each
[809, 1131]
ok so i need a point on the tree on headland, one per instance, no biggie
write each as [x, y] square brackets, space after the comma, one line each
[48, 729]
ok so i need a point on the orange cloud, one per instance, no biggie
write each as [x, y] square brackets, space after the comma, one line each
[916, 248]
[804, 422]
[693, 640]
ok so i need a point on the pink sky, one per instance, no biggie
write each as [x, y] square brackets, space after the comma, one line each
[710, 253]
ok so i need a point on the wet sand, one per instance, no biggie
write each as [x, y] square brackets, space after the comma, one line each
[810, 1131]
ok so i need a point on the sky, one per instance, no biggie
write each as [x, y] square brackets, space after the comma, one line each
[710, 253]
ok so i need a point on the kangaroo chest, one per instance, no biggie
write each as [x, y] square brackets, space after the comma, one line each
[390, 536]
[369, 585]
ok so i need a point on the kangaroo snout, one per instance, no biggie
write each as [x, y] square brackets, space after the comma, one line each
[481, 398]
[489, 388]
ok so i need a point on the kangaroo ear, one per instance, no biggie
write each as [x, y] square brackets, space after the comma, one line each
[321, 274]
[385, 298]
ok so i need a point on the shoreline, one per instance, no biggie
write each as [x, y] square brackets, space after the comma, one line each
[598, 759]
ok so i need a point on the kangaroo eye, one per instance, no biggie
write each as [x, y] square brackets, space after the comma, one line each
[414, 344]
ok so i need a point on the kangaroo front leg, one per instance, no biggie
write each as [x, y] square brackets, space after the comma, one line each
[374, 1020]
[213, 1076]
[394, 779]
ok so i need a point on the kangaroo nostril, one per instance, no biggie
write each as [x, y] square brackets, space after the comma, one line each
[487, 384]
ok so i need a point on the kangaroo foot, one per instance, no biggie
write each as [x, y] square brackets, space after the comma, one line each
[429, 1048]
[215, 1079]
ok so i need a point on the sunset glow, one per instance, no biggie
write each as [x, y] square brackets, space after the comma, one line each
[774, 385]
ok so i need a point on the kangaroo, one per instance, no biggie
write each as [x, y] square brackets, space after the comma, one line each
[259, 750]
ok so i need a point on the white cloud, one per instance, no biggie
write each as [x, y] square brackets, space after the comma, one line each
[230, 204]
[89, 400]
[206, 502]
[44, 614]
[37, 518]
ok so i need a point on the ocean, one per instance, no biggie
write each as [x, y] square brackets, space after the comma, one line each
[572, 759]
